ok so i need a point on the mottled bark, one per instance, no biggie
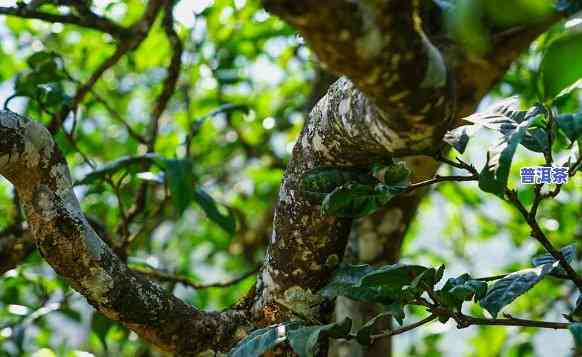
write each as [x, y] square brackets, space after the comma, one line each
[347, 128]
[392, 106]
[30, 160]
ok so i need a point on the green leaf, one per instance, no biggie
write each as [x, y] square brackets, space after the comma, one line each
[576, 314]
[180, 177]
[317, 183]
[386, 285]
[304, 340]
[116, 166]
[460, 289]
[262, 340]
[512, 129]
[44, 70]
[41, 59]
[356, 200]
[499, 117]
[576, 331]
[536, 140]
[100, 326]
[396, 274]
[559, 69]
[459, 137]
[426, 280]
[225, 221]
[52, 95]
[569, 253]
[346, 282]
[505, 290]
[571, 125]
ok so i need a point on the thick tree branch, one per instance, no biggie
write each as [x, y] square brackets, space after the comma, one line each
[30, 160]
[348, 129]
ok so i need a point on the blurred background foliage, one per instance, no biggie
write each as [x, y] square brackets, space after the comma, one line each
[245, 84]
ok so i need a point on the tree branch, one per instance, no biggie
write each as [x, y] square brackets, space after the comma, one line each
[139, 32]
[30, 160]
[88, 20]
[184, 280]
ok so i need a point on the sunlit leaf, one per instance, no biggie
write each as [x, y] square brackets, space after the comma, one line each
[569, 252]
[509, 288]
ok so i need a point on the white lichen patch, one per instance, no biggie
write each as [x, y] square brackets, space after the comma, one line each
[301, 301]
[319, 146]
[30, 155]
[97, 283]
[60, 174]
[45, 205]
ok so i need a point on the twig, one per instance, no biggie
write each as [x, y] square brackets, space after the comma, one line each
[139, 31]
[540, 236]
[439, 178]
[163, 276]
[404, 329]
[173, 74]
[88, 20]
[469, 320]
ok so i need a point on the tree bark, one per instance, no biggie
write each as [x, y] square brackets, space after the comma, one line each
[392, 106]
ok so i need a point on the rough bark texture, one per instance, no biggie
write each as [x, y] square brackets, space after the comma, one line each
[30, 160]
[359, 122]
[386, 108]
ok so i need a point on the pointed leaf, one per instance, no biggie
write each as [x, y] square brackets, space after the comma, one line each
[225, 221]
[576, 331]
[304, 340]
[571, 125]
[262, 340]
[317, 183]
[356, 200]
[536, 140]
[505, 290]
[493, 178]
[346, 282]
[569, 253]
[180, 179]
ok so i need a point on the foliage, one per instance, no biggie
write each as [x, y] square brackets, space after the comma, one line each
[196, 199]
